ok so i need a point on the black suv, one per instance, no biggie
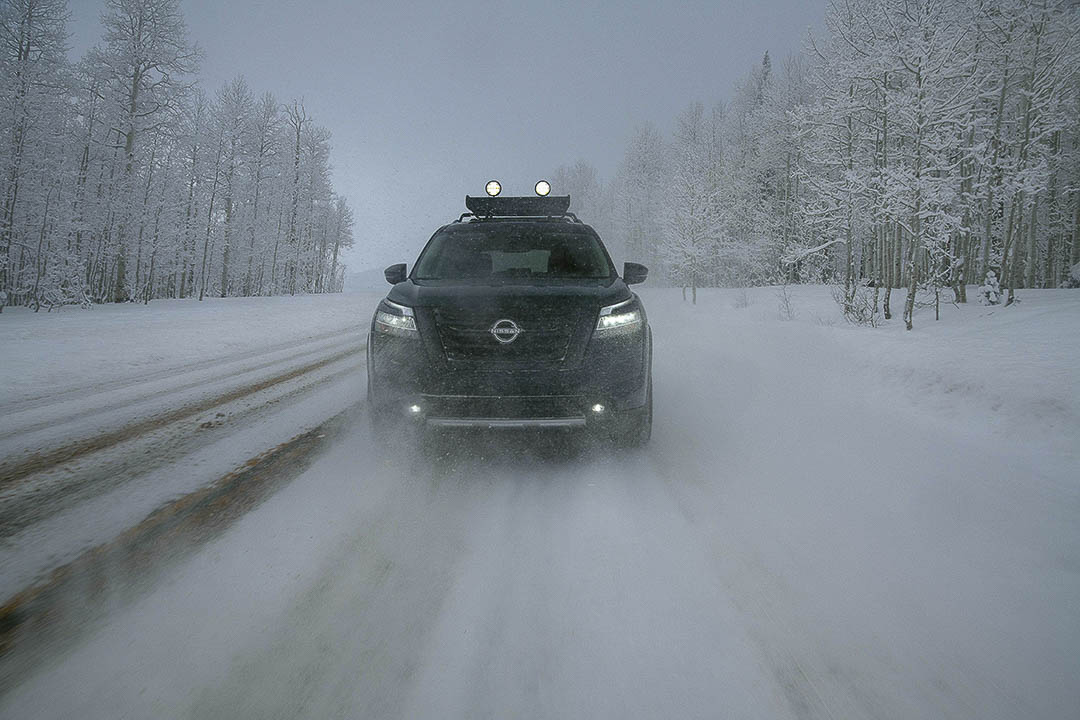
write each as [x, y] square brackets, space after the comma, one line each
[514, 317]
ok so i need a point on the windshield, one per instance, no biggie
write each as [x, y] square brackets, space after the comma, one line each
[506, 252]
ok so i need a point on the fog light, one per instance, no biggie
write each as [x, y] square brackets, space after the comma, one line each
[415, 409]
[598, 408]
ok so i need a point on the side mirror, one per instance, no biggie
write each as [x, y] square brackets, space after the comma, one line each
[634, 273]
[395, 274]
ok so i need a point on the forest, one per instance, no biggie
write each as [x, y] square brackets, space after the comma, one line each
[123, 180]
[919, 146]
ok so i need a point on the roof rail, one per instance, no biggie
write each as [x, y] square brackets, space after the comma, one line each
[566, 216]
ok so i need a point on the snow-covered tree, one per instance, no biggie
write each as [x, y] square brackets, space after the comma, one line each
[694, 211]
[917, 145]
[121, 180]
[638, 195]
[990, 292]
[33, 78]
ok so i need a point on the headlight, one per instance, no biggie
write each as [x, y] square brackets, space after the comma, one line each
[623, 317]
[395, 319]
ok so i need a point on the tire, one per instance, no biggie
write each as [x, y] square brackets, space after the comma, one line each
[377, 410]
[637, 425]
[370, 367]
[381, 420]
[388, 426]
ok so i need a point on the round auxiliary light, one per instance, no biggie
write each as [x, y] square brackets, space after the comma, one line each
[493, 188]
[543, 188]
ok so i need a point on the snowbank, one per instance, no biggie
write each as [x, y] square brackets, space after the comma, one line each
[1003, 370]
[47, 353]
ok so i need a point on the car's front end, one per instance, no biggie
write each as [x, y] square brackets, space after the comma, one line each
[516, 342]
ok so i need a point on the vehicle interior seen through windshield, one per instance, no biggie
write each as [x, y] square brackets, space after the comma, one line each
[508, 252]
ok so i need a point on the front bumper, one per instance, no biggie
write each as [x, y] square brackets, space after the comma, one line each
[611, 379]
[504, 423]
[503, 411]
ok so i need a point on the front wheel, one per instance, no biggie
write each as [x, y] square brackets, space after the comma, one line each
[383, 421]
[636, 427]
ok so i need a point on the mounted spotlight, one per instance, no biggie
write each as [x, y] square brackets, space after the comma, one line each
[493, 188]
[543, 188]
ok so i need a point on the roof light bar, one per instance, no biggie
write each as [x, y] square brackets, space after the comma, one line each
[550, 206]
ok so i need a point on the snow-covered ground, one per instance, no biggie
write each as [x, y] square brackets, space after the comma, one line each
[72, 349]
[830, 522]
[109, 413]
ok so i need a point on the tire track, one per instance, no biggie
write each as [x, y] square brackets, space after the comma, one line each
[147, 394]
[76, 393]
[12, 470]
[53, 491]
[40, 620]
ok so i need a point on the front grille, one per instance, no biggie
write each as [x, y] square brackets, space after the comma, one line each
[544, 337]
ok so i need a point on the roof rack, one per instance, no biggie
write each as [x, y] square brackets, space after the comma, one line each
[551, 206]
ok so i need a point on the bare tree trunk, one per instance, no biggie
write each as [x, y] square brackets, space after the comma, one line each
[228, 222]
[40, 261]
[210, 217]
[142, 220]
[225, 255]
[1075, 256]
[956, 266]
[273, 262]
[189, 214]
[995, 139]
[1006, 268]
[909, 303]
[337, 245]
[254, 224]
[297, 118]
[157, 232]
[1030, 263]
[1051, 269]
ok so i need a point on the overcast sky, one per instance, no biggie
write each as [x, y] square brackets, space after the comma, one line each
[428, 101]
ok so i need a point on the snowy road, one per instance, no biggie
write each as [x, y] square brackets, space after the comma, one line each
[800, 539]
[91, 444]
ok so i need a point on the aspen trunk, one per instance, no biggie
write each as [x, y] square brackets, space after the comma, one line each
[1075, 258]
[1005, 267]
[1030, 264]
[209, 220]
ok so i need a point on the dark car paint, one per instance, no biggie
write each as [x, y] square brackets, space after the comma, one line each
[612, 370]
